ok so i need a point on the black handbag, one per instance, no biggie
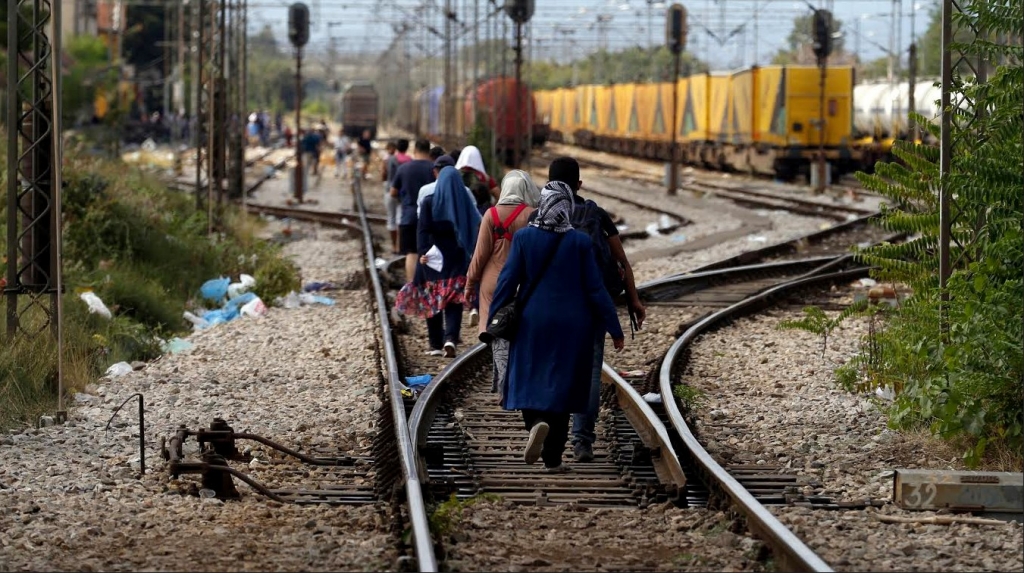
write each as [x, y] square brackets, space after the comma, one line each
[504, 322]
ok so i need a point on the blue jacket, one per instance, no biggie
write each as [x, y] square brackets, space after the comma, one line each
[551, 358]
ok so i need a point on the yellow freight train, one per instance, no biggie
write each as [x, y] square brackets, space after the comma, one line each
[761, 120]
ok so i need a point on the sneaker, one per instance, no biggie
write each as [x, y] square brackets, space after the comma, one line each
[449, 350]
[538, 433]
[434, 352]
[583, 452]
[474, 317]
[559, 469]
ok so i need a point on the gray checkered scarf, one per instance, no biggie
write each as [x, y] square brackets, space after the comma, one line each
[555, 208]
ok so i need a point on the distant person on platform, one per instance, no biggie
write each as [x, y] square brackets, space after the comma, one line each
[365, 149]
[406, 186]
[310, 145]
[396, 157]
[342, 146]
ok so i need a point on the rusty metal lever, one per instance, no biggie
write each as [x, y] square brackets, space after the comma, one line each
[142, 429]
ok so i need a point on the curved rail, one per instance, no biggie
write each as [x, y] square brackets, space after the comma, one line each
[327, 218]
[423, 545]
[654, 289]
[743, 195]
[793, 553]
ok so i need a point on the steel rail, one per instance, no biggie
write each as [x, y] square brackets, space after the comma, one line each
[649, 289]
[803, 205]
[338, 219]
[680, 219]
[423, 545]
[795, 555]
[785, 247]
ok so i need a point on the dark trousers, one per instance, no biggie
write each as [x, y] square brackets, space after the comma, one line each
[558, 434]
[445, 326]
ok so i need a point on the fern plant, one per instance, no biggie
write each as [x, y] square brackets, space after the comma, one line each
[816, 321]
[967, 382]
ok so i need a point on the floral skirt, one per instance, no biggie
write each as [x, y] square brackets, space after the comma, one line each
[428, 299]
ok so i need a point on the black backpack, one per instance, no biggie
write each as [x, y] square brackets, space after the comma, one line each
[586, 217]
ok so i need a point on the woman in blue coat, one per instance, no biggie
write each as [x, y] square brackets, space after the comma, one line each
[551, 357]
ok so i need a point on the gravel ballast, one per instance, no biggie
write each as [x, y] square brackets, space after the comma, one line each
[306, 377]
[769, 398]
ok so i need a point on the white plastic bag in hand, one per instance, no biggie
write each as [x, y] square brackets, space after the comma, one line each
[435, 259]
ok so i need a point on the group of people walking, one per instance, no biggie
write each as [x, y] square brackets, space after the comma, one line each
[554, 254]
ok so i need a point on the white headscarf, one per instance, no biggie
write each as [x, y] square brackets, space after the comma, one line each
[516, 188]
[555, 211]
[470, 157]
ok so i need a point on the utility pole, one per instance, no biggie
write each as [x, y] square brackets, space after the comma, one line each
[476, 56]
[201, 99]
[912, 80]
[449, 84]
[675, 37]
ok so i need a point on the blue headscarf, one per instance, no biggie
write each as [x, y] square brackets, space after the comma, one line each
[452, 203]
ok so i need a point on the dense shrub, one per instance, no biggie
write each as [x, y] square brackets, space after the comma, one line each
[965, 382]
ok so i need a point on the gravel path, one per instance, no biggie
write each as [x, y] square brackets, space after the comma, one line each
[719, 230]
[500, 536]
[306, 377]
[769, 397]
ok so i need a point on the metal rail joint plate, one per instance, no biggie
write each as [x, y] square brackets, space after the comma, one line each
[650, 429]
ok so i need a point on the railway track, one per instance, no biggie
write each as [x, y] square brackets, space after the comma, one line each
[457, 442]
[467, 446]
[742, 292]
[675, 218]
[744, 195]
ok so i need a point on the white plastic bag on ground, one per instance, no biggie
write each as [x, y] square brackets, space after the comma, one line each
[197, 322]
[254, 308]
[119, 369]
[291, 300]
[244, 284]
[95, 304]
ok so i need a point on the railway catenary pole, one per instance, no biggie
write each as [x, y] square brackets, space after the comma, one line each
[33, 184]
[449, 86]
[953, 123]
[223, 118]
[516, 103]
[215, 133]
[911, 101]
[199, 103]
[675, 37]
[822, 33]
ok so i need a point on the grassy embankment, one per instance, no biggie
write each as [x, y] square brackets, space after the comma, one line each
[144, 251]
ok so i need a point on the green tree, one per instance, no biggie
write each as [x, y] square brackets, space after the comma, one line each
[967, 383]
[929, 44]
[630, 65]
[271, 78]
[801, 38]
[89, 71]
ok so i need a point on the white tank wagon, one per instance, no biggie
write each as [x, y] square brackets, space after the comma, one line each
[880, 108]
